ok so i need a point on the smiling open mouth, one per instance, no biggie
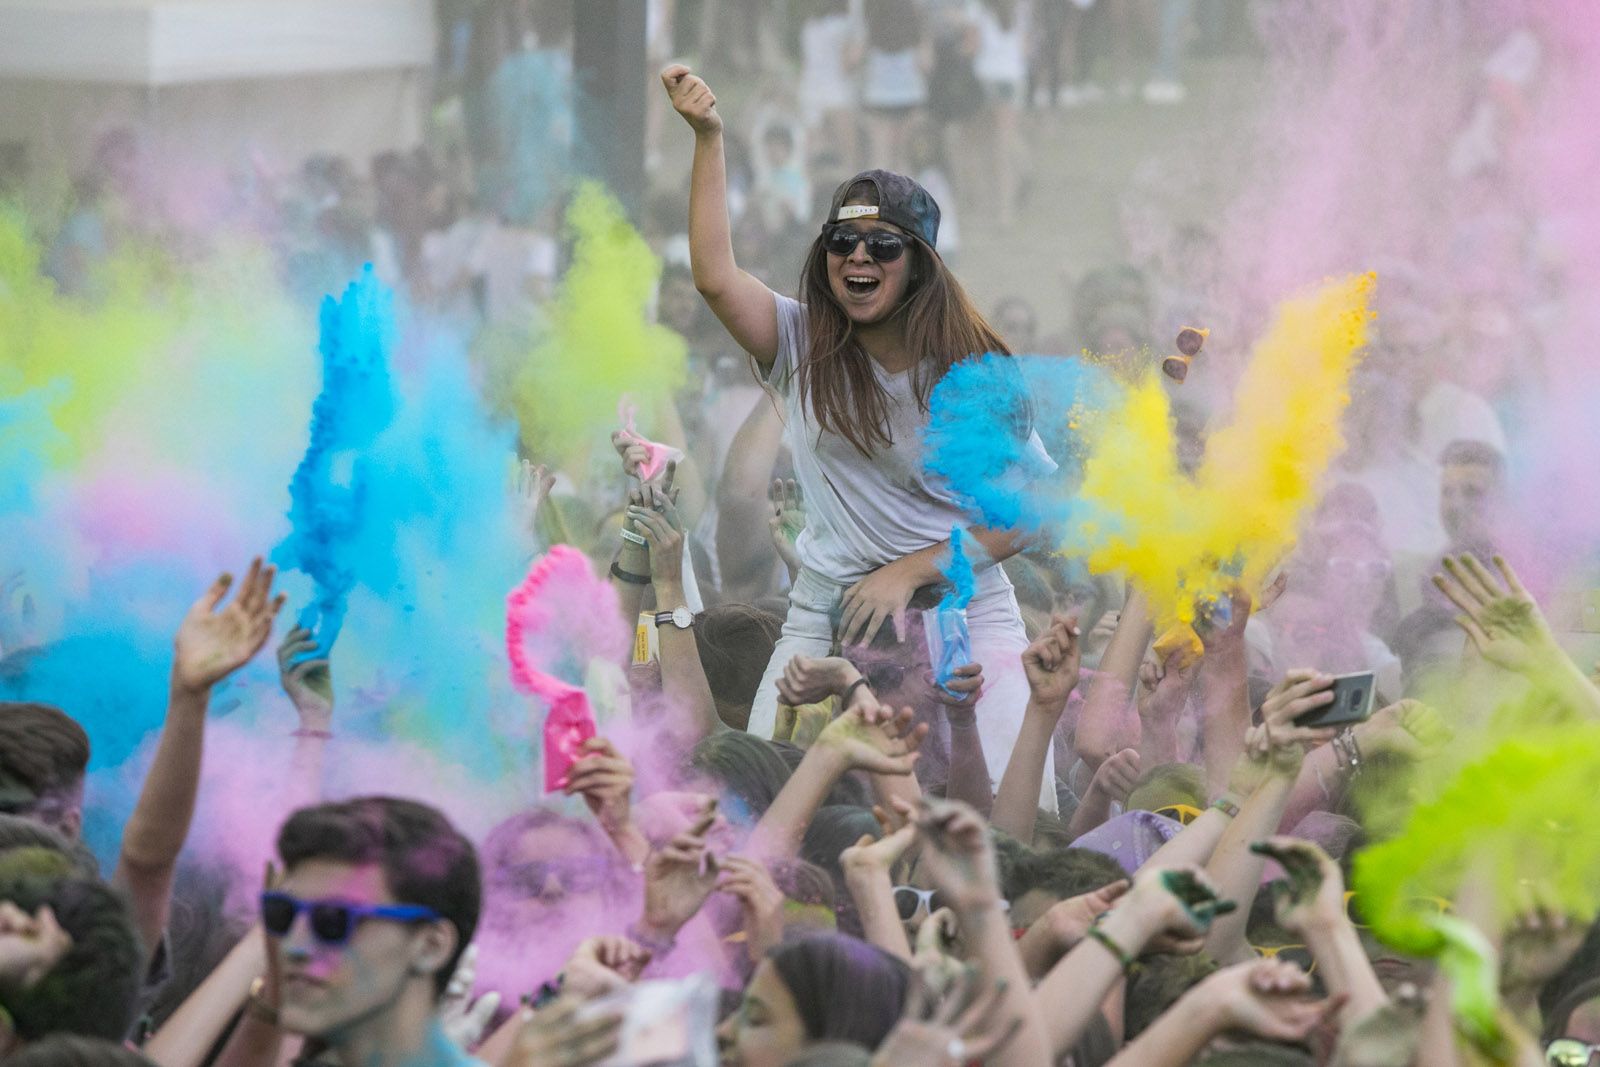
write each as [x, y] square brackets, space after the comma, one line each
[860, 285]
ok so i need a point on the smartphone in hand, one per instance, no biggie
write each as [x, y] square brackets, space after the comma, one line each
[1353, 696]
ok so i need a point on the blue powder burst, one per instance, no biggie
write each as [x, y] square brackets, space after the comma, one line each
[994, 425]
[335, 537]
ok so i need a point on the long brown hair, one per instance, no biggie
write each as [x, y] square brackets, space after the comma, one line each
[942, 328]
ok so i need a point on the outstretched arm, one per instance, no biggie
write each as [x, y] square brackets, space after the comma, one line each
[210, 645]
[740, 300]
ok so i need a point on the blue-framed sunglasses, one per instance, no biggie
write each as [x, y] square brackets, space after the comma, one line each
[334, 921]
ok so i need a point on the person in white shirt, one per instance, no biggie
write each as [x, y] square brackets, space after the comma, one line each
[879, 322]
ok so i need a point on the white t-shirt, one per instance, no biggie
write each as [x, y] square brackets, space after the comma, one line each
[861, 512]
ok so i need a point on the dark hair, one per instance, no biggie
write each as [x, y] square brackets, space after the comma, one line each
[746, 768]
[836, 376]
[93, 989]
[834, 828]
[62, 1050]
[735, 642]
[43, 753]
[852, 790]
[1156, 983]
[1067, 872]
[19, 833]
[844, 988]
[425, 860]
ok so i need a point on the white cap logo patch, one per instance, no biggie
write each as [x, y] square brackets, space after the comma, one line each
[857, 211]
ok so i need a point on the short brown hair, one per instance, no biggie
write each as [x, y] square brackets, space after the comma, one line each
[43, 753]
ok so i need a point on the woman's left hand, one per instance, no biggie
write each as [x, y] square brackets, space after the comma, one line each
[878, 598]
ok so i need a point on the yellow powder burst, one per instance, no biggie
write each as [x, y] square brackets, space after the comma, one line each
[599, 342]
[1181, 538]
[89, 349]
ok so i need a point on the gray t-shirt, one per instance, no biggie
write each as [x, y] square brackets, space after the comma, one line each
[861, 511]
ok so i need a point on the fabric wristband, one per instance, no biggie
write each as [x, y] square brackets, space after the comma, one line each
[638, 539]
[628, 576]
[1227, 807]
[1116, 950]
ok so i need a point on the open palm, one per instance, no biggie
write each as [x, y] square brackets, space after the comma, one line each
[1503, 621]
[212, 644]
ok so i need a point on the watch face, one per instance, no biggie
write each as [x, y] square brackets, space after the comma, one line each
[682, 619]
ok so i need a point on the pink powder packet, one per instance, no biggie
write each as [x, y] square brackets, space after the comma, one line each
[657, 455]
[569, 723]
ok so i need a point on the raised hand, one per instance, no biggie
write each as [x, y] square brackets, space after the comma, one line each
[635, 456]
[602, 965]
[30, 945]
[678, 877]
[531, 485]
[1409, 729]
[1268, 998]
[692, 99]
[1068, 921]
[760, 900]
[967, 1024]
[558, 1034]
[879, 742]
[308, 682]
[788, 519]
[463, 1018]
[1313, 896]
[1217, 638]
[874, 855]
[957, 855]
[1164, 686]
[1115, 778]
[807, 680]
[1503, 621]
[212, 644]
[603, 777]
[657, 520]
[963, 690]
[1277, 741]
[1053, 662]
[1173, 907]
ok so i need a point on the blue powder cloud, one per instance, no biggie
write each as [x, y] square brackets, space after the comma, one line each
[1001, 436]
[336, 538]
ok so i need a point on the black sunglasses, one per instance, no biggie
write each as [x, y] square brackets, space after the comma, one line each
[334, 921]
[882, 245]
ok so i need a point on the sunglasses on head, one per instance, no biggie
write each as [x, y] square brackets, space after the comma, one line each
[1299, 955]
[1569, 1052]
[333, 921]
[884, 246]
[1352, 910]
[1184, 813]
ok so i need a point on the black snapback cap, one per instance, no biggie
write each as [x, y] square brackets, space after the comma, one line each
[901, 201]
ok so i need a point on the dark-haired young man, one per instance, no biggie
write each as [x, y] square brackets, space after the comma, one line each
[379, 898]
[43, 756]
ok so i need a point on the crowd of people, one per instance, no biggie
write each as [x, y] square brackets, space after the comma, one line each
[1086, 845]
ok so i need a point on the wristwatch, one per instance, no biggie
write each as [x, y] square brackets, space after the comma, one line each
[680, 617]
